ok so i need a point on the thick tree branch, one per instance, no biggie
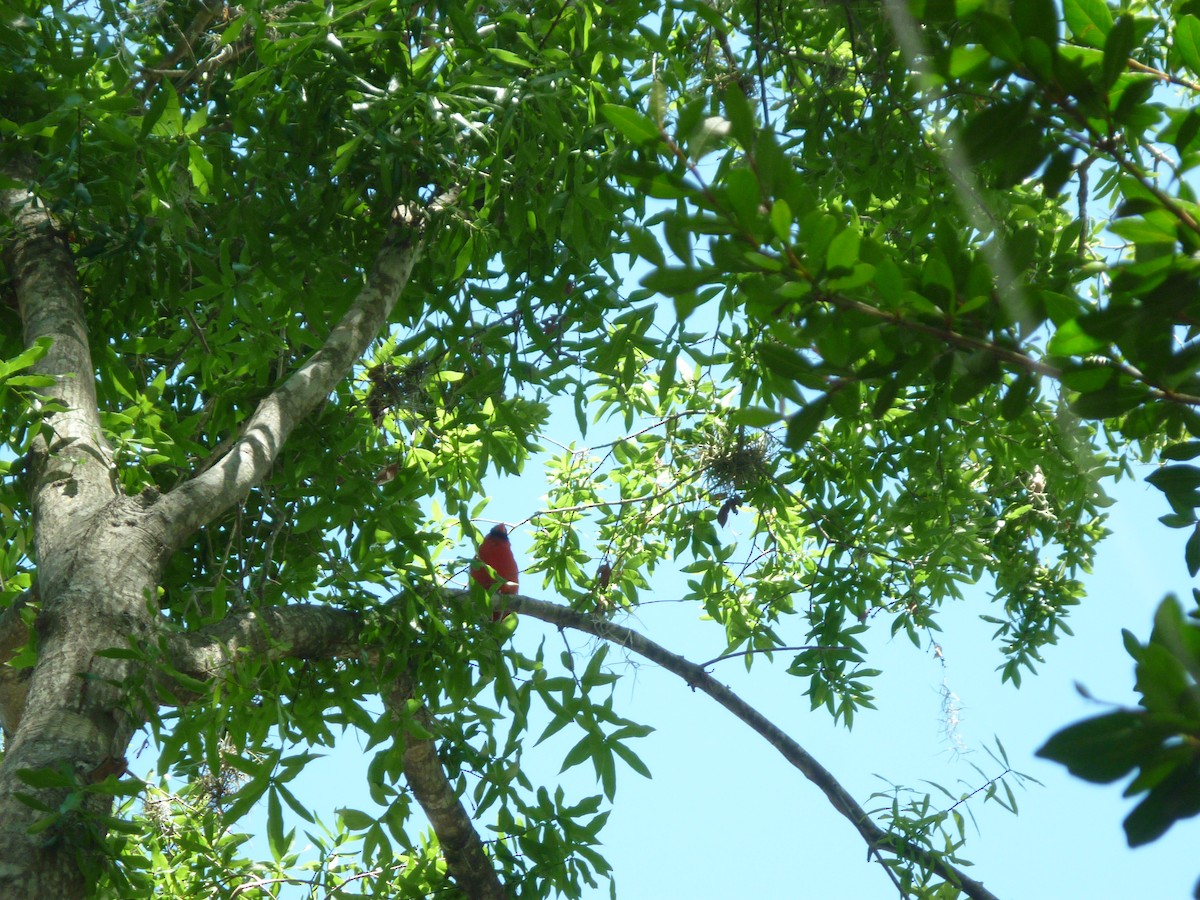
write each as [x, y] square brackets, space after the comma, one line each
[205, 496]
[301, 631]
[72, 469]
[469, 865]
[698, 679]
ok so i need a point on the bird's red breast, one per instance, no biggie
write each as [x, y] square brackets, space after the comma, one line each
[496, 551]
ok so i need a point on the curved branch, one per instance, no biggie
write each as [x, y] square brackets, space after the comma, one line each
[698, 679]
[203, 497]
[460, 842]
[309, 631]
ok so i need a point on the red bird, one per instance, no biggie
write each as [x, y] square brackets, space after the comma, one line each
[496, 552]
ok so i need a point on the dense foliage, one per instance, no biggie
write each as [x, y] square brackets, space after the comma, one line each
[897, 285]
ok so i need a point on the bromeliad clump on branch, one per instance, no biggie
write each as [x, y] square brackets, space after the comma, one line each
[735, 463]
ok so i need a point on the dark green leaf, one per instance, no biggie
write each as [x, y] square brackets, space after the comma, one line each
[1036, 19]
[1112, 400]
[1191, 553]
[1187, 42]
[1176, 797]
[1181, 452]
[1106, 747]
[674, 281]
[46, 778]
[355, 820]
[741, 116]
[804, 424]
[1117, 49]
[1171, 479]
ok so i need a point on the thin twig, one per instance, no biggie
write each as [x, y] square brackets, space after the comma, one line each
[1163, 76]
[715, 660]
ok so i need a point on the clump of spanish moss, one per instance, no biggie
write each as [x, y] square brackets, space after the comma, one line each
[397, 387]
[734, 461]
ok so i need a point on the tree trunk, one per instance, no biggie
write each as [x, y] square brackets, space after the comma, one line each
[98, 559]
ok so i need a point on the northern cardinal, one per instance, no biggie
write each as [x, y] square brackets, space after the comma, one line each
[496, 551]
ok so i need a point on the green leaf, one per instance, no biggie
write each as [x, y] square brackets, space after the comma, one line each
[275, 837]
[47, 778]
[1071, 340]
[707, 136]
[1175, 797]
[355, 820]
[296, 806]
[966, 61]
[781, 220]
[754, 417]
[630, 123]
[785, 361]
[1112, 400]
[658, 101]
[507, 56]
[991, 131]
[593, 674]
[1191, 553]
[1178, 520]
[245, 798]
[1018, 397]
[644, 244]
[804, 424]
[25, 358]
[1181, 452]
[1117, 49]
[1170, 479]
[1036, 20]
[741, 117]
[843, 250]
[32, 381]
[1058, 171]
[674, 281]
[585, 749]
[632, 759]
[1000, 36]
[1187, 42]
[1089, 20]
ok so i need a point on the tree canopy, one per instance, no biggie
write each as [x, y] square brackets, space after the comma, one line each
[892, 286]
